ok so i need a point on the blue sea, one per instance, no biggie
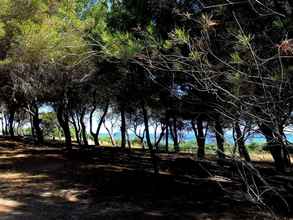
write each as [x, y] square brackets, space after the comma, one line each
[211, 139]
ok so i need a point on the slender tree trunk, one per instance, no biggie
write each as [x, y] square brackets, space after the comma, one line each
[6, 125]
[10, 121]
[140, 136]
[110, 134]
[2, 125]
[277, 148]
[148, 138]
[160, 138]
[147, 131]
[83, 127]
[33, 133]
[102, 119]
[63, 120]
[17, 129]
[155, 133]
[167, 133]
[241, 143]
[141, 139]
[123, 127]
[76, 129]
[39, 132]
[128, 140]
[175, 136]
[220, 139]
[94, 136]
[36, 125]
[200, 137]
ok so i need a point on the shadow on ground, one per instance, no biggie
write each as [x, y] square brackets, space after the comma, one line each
[43, 183]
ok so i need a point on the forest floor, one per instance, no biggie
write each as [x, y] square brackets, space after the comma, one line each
[42, 183]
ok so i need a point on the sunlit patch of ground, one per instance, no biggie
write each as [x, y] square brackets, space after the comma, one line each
[8, 205]
[113, 168]
[220, 179]
[12, 177]
[7, 156]
[70, 195]
[263, 156]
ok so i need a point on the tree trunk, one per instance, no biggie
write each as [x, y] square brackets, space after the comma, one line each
[17, 129]
[175, 135]
[200, 137]
[36, 125]
[76, 129]
[33, 133]
[39, 132]
[83, 127]
[148, 139]
[123, 127]
[140, 136]
[110, 134]
[63, 120]
[2, 126]
[102, 119]
[243, 153]
[220, 139]
[160, 138]
[6, 125]
[128, 140]
[167, 134]
[146, 125]
[141, 139]
[10, 121]
[277, 148]
[94, 136]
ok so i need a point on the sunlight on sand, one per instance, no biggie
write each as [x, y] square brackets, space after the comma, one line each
[19, 177]
[8, 156]
[7, 205]
[70, 195]
[264, 157]
[113, 168]
[220, 179]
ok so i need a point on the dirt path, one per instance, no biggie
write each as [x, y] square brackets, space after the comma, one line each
[41, 184]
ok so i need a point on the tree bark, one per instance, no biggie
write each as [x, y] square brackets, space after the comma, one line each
[2, 126]
[160, 138]
[102, 119]
[36, 125]
[140, 136]
[200, 137]
[147, 131]
[243, 153]
[167, 134]
[83, 127]
[33, 133]
[76, 129]
[123, 127]
[6, 125]
[175, 135]
[277, 148]
[110, 134]
[10, 121]
[63, 120]
[128, 140]
[220, 139]
[91, 124]
[148, 139]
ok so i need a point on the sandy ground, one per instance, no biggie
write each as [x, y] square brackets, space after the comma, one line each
[42, 184]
